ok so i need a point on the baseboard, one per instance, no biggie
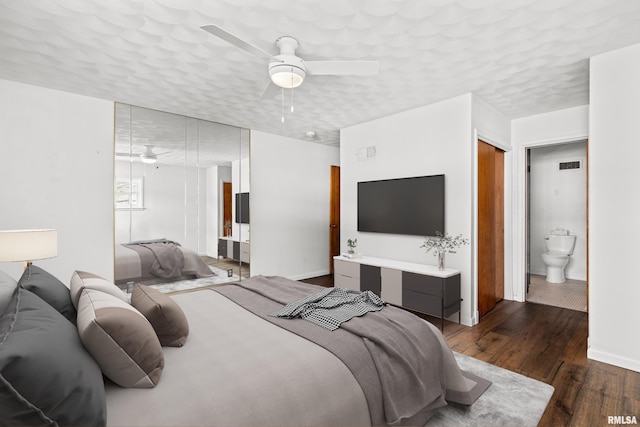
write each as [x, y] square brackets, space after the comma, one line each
[309, 275]
[613, 359]
[579, 277]
[570, 276]
[538, 271]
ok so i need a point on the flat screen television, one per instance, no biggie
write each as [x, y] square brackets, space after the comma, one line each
[242, 208]
[413, 206]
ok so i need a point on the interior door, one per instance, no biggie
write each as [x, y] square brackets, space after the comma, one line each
[490, 227]
[334, 215]
[226, 209]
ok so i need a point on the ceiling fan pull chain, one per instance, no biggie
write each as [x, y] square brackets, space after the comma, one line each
[282, 106]
[292, 86]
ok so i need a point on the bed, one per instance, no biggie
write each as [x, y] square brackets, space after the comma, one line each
[157, 261]
[228, 362]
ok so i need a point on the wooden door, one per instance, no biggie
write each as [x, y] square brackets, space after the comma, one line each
[490, 227]
[226, 209]
[334, 215]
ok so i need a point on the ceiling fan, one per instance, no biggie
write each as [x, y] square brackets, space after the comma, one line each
[287, 70]
[148, 156]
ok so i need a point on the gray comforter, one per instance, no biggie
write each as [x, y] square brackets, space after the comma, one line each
[395, 356]
[157, 259]
[164, 259]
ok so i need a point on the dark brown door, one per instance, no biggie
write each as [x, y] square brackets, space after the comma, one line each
[334, 216]
[226, 209]
[490, 227]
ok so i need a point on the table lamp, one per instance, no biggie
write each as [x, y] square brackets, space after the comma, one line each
[28, 245]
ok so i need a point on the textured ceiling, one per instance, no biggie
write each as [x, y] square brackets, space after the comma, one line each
[175, 139]
[522, 56]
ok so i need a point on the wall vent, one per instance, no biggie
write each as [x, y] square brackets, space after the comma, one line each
[563, 166]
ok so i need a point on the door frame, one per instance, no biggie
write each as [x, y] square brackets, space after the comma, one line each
[519, 287]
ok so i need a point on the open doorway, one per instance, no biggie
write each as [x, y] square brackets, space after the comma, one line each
[557, 225]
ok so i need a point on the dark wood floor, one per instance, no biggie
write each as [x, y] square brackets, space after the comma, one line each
[548, 344]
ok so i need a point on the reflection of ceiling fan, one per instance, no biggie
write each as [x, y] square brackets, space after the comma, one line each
[288, 70]
[148, 156]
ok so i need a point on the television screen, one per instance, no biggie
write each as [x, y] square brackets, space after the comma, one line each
[242, 208]
[413, 206]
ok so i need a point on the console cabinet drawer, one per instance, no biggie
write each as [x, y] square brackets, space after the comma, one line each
[346, 268]
[429, 304]
[245, 254]
[222, 248]
[421, 283]
[347, 282]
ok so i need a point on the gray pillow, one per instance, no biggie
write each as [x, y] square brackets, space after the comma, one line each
[46, 375]
[120, 339]
[8, 286]
[50, 289]
[164, 314]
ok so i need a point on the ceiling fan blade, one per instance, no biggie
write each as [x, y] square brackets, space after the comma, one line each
[342, 68]
[271, 91]
[237, 41]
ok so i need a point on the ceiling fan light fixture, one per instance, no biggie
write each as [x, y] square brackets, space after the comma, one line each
[148, 159]
[286, 75]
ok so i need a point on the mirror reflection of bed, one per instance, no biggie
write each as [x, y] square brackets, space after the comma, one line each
[175, 181]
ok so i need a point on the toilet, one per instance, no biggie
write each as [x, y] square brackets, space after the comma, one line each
[560, 246]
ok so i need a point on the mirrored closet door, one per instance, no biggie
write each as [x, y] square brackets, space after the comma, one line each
[182, 200]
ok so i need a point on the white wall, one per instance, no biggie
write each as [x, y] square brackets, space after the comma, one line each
[559, 200]
[614, 229]
[56, 169]
[166, 209]
[429, 140]
[290, 206]
[555, 127]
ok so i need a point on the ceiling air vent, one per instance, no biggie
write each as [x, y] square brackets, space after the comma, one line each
[576, 164]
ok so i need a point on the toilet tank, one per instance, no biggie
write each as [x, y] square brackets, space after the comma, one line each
[560, 244]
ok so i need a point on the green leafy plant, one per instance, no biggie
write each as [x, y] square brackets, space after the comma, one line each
[444, 243]
[352, 243]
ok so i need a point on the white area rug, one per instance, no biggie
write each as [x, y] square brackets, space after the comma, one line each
[511, 400]
[571, 294]
[219, 277]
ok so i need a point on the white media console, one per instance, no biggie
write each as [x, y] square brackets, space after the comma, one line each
[419, 287]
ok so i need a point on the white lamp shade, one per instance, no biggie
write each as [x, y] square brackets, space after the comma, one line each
[28, 245]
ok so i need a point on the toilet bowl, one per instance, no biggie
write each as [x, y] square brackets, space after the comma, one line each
[560, 246]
